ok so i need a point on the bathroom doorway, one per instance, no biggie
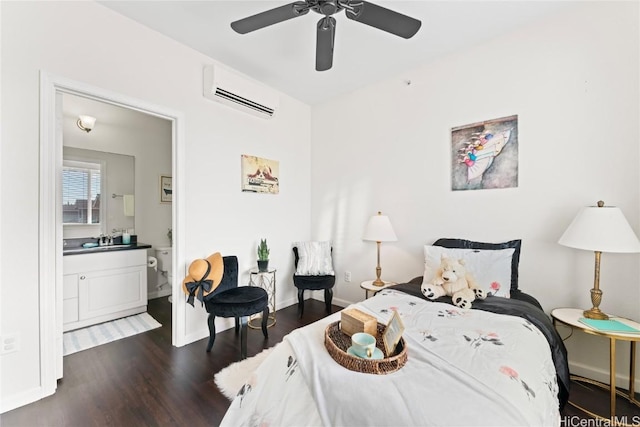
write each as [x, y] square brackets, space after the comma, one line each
[129, 190]
[53, 91]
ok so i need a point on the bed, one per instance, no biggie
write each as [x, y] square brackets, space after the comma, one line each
[500, 363]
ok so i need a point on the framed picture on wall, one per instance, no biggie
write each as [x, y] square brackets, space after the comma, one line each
[260, 175]
[485, 155]
[166, 189]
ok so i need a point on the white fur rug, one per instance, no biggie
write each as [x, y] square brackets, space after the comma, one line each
[230, 379]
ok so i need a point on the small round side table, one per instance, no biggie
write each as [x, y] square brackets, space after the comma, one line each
[368, 286]
[267, 281]
[571, 317]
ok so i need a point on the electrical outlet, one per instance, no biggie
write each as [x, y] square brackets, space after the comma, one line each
[10, 343]
[347, 276]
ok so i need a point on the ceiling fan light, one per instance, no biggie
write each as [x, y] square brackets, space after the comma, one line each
[328, 7]
[356, 10]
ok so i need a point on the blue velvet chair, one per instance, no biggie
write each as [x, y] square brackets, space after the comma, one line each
[313, 283]
[239, 302]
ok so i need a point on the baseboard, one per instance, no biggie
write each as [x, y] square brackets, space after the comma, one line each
[601, 375]
[9, 403]
[222, 324]
[159, 294]
[319, 296]
[196, 336]
[341, 302]
[287, 303]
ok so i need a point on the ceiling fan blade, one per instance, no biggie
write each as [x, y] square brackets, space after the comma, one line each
[324, 43]
[383, 19]
[270, 17]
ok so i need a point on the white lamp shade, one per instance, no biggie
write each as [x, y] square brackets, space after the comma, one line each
[379, 229]
[603, 229]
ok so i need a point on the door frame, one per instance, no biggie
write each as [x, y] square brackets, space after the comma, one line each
[50, 213]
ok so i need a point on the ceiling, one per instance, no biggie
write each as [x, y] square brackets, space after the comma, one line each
[283, 55]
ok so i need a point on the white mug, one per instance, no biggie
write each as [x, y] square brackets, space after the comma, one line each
[363, 344]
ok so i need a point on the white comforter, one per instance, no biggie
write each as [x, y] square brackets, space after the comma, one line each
[464, 367]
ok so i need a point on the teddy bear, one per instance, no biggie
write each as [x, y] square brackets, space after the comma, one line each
[453, 279]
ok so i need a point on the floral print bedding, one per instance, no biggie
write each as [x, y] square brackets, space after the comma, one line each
[464, 367]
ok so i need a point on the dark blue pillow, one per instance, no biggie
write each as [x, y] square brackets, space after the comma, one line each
[469, 244]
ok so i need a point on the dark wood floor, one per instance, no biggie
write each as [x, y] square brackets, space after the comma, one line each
[144, 381]
[596, 400]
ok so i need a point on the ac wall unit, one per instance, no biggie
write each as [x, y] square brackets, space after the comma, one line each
[226, 87]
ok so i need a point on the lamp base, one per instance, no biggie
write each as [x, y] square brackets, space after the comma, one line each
[596, 296]
[595, 313]
[378, 282]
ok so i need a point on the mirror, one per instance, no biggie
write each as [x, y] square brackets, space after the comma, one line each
[97, 176]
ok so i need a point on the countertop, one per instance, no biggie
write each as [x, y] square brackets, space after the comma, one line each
[98, 249]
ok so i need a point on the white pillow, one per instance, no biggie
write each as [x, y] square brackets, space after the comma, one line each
[490, 268]
[314, 259]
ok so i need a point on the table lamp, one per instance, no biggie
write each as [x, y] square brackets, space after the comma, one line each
[600, 229]
[378, 230]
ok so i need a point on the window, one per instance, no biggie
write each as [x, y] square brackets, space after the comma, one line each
[81, 188]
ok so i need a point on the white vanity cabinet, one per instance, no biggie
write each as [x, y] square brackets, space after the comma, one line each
[98, 287]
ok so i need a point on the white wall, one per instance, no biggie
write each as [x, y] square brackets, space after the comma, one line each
[139, 63]
[573, 82]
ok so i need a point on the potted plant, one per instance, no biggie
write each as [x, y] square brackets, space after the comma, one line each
[263, 255]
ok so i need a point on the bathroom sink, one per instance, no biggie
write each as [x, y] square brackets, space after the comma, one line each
[94, 249]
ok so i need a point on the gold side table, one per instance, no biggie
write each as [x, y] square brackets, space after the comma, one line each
[267, 281]
[569, 317]
[368, 286]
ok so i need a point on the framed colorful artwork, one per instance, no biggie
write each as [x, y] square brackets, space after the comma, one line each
[485, 155]
[260, 175]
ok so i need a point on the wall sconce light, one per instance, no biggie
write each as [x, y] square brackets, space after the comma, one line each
[86, 123]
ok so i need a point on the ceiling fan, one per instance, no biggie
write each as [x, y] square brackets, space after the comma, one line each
[356, 10]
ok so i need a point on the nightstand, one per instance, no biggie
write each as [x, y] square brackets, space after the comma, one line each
[569, 317]
[267, 281]
[368, 286]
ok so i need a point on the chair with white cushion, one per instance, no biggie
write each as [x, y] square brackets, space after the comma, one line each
[314, 271]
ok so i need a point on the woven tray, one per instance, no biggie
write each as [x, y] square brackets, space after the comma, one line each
[338, 342]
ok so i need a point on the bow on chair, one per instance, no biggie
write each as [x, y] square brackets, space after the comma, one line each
[197, 288]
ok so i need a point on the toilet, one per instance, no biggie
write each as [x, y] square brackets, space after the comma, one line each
[165, 270]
